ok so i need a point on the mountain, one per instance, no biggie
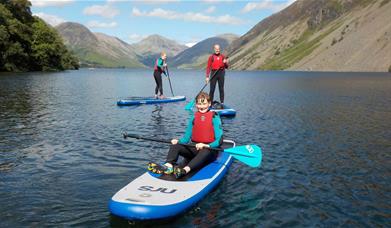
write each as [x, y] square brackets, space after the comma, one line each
[150, 48]
[197, 55]
[322, 35]
[97, 49]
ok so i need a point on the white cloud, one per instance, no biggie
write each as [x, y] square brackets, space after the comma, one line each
[50, 19]
[211, 9]
[266, 5]
[44, 3]
[98, 24]
[107, 11]
[133, 38]
[188, 16]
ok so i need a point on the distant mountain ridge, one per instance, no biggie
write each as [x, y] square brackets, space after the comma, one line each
[151, 47]
[76, 34]
[322, 35]
[97, 49]
[101, 50]
[197, 55]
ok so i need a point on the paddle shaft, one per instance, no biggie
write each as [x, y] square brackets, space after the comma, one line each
[169, 80]
[214, 74]
[126, 135]
[250, 155]
[190, 105]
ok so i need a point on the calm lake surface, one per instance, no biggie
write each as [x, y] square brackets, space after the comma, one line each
[326, 140]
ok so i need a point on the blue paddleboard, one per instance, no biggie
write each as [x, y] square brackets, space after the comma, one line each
[148, 100]
[155, 196]
[225, 111]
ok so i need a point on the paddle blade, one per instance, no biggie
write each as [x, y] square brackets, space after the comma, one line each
[190, 105]
[250, 155]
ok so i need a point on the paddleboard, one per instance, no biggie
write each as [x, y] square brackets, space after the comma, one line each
[225, 111]
[155, 196]
[148, 100]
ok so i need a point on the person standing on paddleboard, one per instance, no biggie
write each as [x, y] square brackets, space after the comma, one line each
[205, 131]
[216, 62]
[158, 69]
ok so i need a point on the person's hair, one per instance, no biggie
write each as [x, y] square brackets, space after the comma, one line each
[162, 53]
[202, 96]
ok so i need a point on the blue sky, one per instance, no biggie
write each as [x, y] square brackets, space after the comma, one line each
[187, 22]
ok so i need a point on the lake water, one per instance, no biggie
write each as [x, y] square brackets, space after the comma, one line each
[326, 139]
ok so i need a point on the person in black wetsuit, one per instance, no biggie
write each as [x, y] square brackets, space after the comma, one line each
[158, 69]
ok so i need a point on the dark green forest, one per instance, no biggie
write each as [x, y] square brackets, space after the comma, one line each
[27, 43]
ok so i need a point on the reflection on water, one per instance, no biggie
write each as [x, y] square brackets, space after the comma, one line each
[157, 118]
[325, 137]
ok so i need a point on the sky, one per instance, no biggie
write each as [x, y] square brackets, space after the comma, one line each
[186, 22]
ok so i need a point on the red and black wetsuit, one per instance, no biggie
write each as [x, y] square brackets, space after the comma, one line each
[215, 62]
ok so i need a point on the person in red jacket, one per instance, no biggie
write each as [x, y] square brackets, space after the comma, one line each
[216, 62]
[204, 131]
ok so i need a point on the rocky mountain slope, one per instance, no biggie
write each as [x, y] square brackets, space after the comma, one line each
[322, 35]
[97, 49]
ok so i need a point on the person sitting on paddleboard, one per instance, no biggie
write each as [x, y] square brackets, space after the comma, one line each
[158, 69]
[216, 62]
[205, 131]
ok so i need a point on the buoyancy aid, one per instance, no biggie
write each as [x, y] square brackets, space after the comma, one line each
[217, 62]
[157, 67]
[203, 131]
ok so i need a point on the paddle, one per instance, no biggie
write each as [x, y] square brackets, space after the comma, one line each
[250, 155]
[190, 105]
[168, 75]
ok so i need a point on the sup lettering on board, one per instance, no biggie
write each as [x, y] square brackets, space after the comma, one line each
[159, 189]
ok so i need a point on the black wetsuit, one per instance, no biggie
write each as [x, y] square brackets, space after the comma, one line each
[219, 77]
[159, 83]
[194, 158]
